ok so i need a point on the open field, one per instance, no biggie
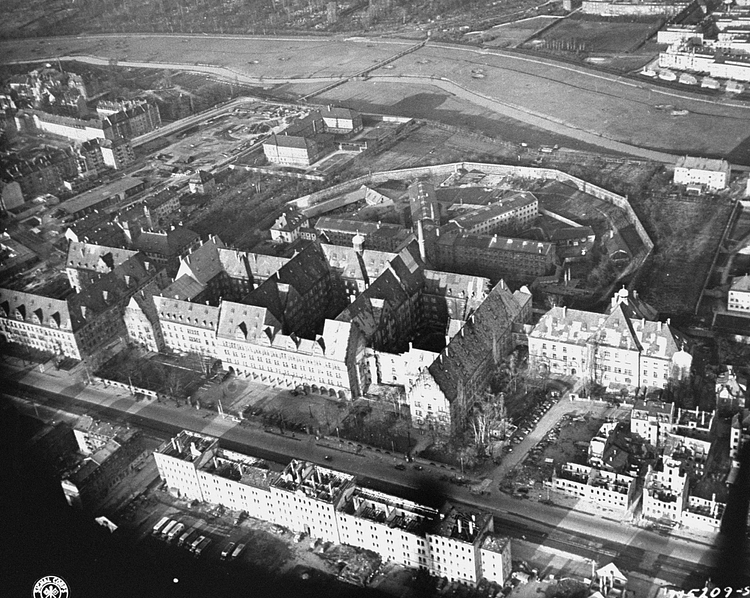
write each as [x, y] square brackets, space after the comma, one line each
[616, 109]
[512, 34]
[686, 234]
[598, 36]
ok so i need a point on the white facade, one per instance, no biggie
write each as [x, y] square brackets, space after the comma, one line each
[713, 174]
[739, 294]
[305, 498]
[602, 488]
[328, 505]
[236, 482]
[188, 327]
[702, 514]
[652, 421]
[610, 348]
[178, 461]
[677, 34]
[391, 527]
[496, 559]
[665, 492]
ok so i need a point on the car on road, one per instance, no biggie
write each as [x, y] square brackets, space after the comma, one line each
[327, 457]
[400, 467]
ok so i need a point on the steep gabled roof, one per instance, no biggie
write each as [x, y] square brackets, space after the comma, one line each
[245, 322]
[185, 288]
[167, 243]
[203, 264]
[187, 313]
[473, 345]
[98, 258]
[29, 307]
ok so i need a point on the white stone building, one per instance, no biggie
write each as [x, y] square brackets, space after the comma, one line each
[611, 349]
[330, 506]
[602, 488]
[665, 492]
[711, 173]
[739, 294]
[652, 421]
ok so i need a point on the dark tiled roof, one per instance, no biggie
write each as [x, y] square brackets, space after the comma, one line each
[203, 264]
[100, 258]
[167, 243]
[472, 346]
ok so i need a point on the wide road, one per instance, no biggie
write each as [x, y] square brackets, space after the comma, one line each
[574, 100]
[668, 558]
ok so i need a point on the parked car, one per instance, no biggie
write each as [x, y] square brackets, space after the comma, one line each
[239, 549]
[400, 467]
[228, 549]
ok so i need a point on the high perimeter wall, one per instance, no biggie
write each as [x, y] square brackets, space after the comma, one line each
[311, 204]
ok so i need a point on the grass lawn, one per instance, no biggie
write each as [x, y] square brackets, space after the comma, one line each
[600, 36]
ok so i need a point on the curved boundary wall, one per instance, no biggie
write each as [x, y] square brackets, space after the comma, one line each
[315, 203]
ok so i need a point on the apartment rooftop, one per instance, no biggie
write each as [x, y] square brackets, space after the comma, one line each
[491, 211]
[653, 408]
[240, 468]
[693, 418]
[696, 163]
[495, 543]
[389, 510]
[187, 446]
[314, 481]
[463, 525]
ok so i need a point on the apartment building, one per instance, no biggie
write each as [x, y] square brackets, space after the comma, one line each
[202, 182]
[710, 173]
[117, 153]
[340, 121]
[376, 236]
[238, 482]
[307, 498]
[392, 527]
[188, 327]
[665, 492]
[731, 390]
[329, 505]
[517, 211]
[88, 262]
[286, 227]
[605, 489]
[142, 319]
[179, 460]
[292, 150]
[703, 514]
[102, 197]
[167, 247]
[493, 256]
[652, 421]
[82, 324]
[739, 294]
[454, 545]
